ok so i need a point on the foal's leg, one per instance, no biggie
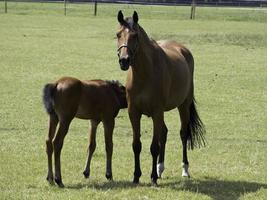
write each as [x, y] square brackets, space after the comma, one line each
[163, 138]
[58, 143]
[53, 121]
[108, 129]
[156, 144]
[91, 147]
[136, 145]
[184, 133]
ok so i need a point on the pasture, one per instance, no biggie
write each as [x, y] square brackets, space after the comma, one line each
[38, 44]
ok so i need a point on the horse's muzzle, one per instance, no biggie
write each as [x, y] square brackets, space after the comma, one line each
[124, 63]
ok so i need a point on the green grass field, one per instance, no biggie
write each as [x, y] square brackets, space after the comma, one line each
[38, 44]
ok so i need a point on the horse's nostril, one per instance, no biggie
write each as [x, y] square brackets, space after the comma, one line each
[124, 63]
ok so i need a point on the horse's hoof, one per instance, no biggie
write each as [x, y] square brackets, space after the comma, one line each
[154, 183]
[50, 180]
[86, 174]
[185, 175]
[136, 180]
[154, 180]
[160, 169]
[185, 172]
[59, 183]
[109, 176]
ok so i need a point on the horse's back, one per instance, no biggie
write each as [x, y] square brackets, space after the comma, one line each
[179, 51]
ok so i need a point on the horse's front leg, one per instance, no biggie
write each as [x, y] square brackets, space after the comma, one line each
[108, 129]
[157, 143]
[91, 147]
[135, 117]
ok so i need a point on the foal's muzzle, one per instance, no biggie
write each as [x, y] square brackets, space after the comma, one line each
[124, 63]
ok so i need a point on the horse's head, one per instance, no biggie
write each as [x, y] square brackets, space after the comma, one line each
[127, 36]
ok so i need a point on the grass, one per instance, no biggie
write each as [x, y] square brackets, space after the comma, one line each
[39, 44]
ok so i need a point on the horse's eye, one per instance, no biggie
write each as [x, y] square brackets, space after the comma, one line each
[118, 35]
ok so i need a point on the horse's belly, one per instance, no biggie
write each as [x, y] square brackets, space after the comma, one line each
[175, 99]
[143, 104]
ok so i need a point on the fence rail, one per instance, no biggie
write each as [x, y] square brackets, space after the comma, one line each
[251, 3]
[217, 3]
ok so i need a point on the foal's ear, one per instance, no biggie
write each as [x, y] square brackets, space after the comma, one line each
[120, 17]
[135, 17]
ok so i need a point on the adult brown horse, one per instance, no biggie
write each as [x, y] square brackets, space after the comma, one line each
[96, 100]
[160, 78]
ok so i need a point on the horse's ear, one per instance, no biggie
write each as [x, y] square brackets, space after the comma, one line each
[135, 17]
[120, 17]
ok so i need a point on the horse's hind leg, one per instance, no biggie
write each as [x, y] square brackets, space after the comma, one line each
[57, 144]
[184, 134]
[160, 166]
[108, 129]
[53, 121]
[91, 147]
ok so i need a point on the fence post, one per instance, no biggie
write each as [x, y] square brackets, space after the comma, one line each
[95, 7]
[5, 6]
[193, 9]
[65, 7]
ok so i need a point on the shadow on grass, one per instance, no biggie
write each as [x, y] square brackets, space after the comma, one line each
[216, 189]
[212, 187]
[107, 185]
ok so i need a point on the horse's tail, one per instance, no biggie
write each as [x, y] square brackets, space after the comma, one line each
[48, 98]
[196, 128]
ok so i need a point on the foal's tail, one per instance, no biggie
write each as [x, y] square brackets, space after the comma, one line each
[48, 98]
[196, 128]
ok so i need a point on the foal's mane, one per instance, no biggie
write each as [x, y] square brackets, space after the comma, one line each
[114, 83]
[119, 90]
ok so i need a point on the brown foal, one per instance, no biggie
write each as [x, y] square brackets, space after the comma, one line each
[96, 100]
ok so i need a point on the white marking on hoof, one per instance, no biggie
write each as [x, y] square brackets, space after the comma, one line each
[185, 172]
[160, 169]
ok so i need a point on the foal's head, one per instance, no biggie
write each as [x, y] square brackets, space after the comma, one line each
[127, 36]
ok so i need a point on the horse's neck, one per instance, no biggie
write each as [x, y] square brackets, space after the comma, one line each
[143, 65]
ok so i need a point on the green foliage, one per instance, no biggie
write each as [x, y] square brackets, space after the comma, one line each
[39, 44]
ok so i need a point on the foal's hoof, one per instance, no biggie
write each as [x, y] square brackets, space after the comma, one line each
[59, 183]
[86, 174]
[109, 176]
